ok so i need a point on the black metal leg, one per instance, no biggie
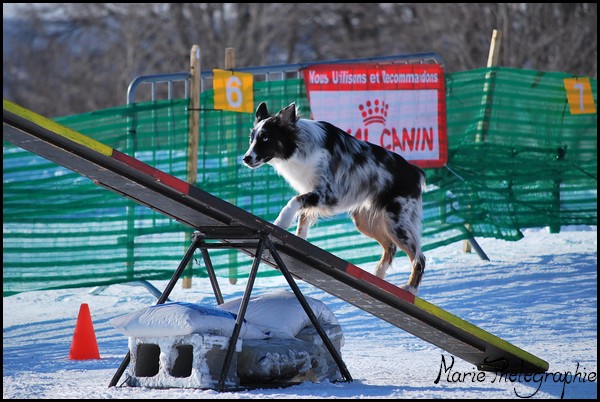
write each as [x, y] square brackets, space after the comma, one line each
[478, 249]
[211, 275]
[334, 353]
[476, 245]
[120, 370]
[241, 313]
[196, 240]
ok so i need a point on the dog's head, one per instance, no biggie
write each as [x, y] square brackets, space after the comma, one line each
[272, 137]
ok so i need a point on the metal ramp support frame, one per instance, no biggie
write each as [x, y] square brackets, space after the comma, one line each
[262, 243]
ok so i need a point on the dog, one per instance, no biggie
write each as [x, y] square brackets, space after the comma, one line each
[333, 172]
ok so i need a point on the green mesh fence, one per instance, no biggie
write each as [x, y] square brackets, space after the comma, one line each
[517, 158]
[521, 160]
[60, 230]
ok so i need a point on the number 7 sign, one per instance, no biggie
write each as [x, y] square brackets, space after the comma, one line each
[579, 95]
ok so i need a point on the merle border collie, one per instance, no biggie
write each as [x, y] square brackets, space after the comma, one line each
[333, 172]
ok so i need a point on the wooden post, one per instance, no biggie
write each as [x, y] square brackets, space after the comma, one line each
[194, 130]
[194, 115]
[230, 139]
[229, 58]
[494, 48]
[483, 123]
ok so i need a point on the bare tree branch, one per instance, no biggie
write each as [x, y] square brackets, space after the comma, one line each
[62, 59]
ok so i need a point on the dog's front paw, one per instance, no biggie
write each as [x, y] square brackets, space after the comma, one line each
[284, 220]
[410, 289]
[287, 214]
[279, 222]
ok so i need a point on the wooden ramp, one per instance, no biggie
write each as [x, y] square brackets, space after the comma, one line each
[223, 221]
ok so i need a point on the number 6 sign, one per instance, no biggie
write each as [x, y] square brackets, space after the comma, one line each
[233, 91]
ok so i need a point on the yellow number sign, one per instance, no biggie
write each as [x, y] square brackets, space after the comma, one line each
[233, 91]
[579, 94]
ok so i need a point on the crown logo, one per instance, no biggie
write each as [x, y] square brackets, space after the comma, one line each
[374, 112]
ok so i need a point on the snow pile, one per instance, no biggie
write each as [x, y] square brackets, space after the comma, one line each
[180, 318]
[281, 313]
[539, 293]
[277, 314]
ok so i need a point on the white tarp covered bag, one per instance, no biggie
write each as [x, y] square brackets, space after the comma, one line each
[281, 313]
[181, 318]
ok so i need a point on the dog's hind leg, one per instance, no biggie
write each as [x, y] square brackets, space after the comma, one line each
[409, 243]
[418, 268]
[305, 221]
[376, 228]
[389, 251]
[406, 235]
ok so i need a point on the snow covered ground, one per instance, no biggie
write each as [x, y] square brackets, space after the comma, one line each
[539, 293]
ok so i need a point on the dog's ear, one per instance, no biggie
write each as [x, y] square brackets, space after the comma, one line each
[288, 115]
[262, 112]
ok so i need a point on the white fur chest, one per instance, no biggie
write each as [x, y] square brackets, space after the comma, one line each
[303, 174]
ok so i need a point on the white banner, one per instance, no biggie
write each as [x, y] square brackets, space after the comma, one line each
[399, 107]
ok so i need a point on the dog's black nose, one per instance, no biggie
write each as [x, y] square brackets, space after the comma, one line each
[247, 159]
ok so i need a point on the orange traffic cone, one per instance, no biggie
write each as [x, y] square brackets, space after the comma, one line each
[84, 345]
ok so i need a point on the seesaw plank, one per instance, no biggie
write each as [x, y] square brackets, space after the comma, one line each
[215, 217]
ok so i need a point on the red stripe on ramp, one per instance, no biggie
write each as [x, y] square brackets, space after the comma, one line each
[380, 283]
[167, 179]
